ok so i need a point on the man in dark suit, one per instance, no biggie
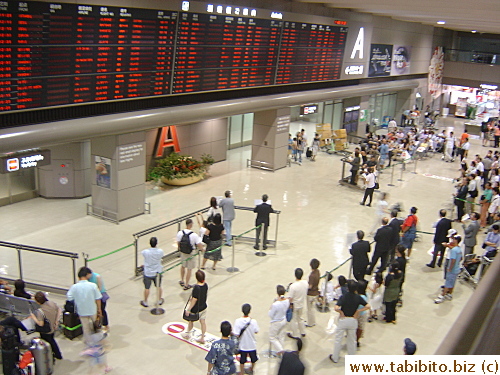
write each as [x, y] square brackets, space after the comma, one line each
[470, 233]
[395, 224]
[262, 210]
[440, 236]
[384, 239]
[359, 251]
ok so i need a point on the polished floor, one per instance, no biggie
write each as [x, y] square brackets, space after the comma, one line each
[318, 215]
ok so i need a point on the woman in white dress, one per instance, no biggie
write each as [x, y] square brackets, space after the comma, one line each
[376, 294]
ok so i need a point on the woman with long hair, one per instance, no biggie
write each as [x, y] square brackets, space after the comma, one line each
[214, 231]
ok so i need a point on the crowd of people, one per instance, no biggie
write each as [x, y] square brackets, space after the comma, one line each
[374, 294]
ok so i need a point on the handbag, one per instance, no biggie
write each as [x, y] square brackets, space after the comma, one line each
[46, 328]
[105, 296]
[191, 317]
[289, 314]
[206, 239]
[377, 185]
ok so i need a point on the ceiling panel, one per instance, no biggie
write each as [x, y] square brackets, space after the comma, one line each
[462, 15]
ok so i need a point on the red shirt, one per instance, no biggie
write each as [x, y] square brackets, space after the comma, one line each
[409, 221]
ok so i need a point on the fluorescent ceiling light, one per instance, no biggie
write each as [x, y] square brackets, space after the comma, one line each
[441, 22]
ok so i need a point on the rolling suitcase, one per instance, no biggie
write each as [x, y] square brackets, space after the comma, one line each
[72, 326]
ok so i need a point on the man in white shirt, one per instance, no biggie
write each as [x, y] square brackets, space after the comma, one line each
[450, 144]
[152, 269]
[297, 295]
[187, 252]
[246, 328]
[392, 126]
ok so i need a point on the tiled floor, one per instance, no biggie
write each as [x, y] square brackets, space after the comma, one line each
[317, 215]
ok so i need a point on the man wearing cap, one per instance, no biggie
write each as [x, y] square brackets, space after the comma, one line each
[442, 227]
[452, 268]
[410, 347]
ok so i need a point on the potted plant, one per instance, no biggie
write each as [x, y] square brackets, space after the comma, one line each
[180, 170]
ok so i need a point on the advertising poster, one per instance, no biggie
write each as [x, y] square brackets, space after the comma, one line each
[380, 60]
[103, 172]
[436, 72]
[401, 60]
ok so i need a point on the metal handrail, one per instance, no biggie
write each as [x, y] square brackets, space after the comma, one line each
[41, 250]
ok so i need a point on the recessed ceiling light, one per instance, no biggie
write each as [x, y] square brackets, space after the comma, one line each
[441, 22]
[474, 31]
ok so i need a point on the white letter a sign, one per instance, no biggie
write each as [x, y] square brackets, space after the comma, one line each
[359, 44]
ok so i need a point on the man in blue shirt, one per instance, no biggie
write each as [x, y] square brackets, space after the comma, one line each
[453, 269]
[220, 357]
[87, 301]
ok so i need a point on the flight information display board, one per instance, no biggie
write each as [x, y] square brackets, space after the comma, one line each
[57, 54]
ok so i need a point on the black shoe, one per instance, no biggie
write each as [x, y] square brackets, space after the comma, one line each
[361, 203]
[256, 247]
[430, 265]
[369, 204]
[331, 358]
[264, 247]
[292, 337]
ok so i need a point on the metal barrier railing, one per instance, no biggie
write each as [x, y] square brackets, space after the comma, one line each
[29, 269]
[179, 221]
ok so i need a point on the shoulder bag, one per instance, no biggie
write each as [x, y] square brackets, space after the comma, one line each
[377, 185]
[191, 317]
[237, 339]
[46, 328]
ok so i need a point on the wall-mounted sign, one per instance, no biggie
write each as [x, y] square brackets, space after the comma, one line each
[401, 60]
[380, 60]
[308, 109]
[167, 137]
[24, 160]
[354, 70]
[237, 11]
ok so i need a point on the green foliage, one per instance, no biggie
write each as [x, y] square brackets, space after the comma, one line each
[179, 166]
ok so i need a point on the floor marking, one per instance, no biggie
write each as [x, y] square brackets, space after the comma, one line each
[437, 177]
[175, 329]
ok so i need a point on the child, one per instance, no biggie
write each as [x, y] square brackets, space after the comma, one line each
[362, 284]
[340, 289]
[376, 295]
[326, 292]
[96, 351]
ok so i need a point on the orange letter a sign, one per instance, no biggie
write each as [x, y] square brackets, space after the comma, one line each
[168, 138]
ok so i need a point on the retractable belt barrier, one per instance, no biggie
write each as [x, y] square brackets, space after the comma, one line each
[157, 310]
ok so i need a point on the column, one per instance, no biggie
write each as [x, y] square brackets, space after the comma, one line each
[119, 167]
[270, 138]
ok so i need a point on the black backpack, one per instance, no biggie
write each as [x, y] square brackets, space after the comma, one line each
[185, 244]
[10, 339]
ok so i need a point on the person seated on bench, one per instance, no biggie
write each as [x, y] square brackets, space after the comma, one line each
[4, 287]
[19, 290]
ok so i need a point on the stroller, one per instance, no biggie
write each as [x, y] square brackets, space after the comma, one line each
[474, 267]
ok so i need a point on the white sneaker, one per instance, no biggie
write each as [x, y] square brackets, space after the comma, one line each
[186, 335]
[440, 299]
[448, 296]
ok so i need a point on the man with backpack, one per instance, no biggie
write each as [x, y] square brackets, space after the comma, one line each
[187, 242]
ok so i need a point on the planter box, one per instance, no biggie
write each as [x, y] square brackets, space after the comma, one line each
[183, 181]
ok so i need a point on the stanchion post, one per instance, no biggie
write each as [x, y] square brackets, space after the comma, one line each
[85, 259]
[233, 268]
[157, 310]
[415, 168]
[402, 170]
[136, 257]
[350, 269]
[392, 176]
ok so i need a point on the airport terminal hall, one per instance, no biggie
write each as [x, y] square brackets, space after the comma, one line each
[269, 188]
